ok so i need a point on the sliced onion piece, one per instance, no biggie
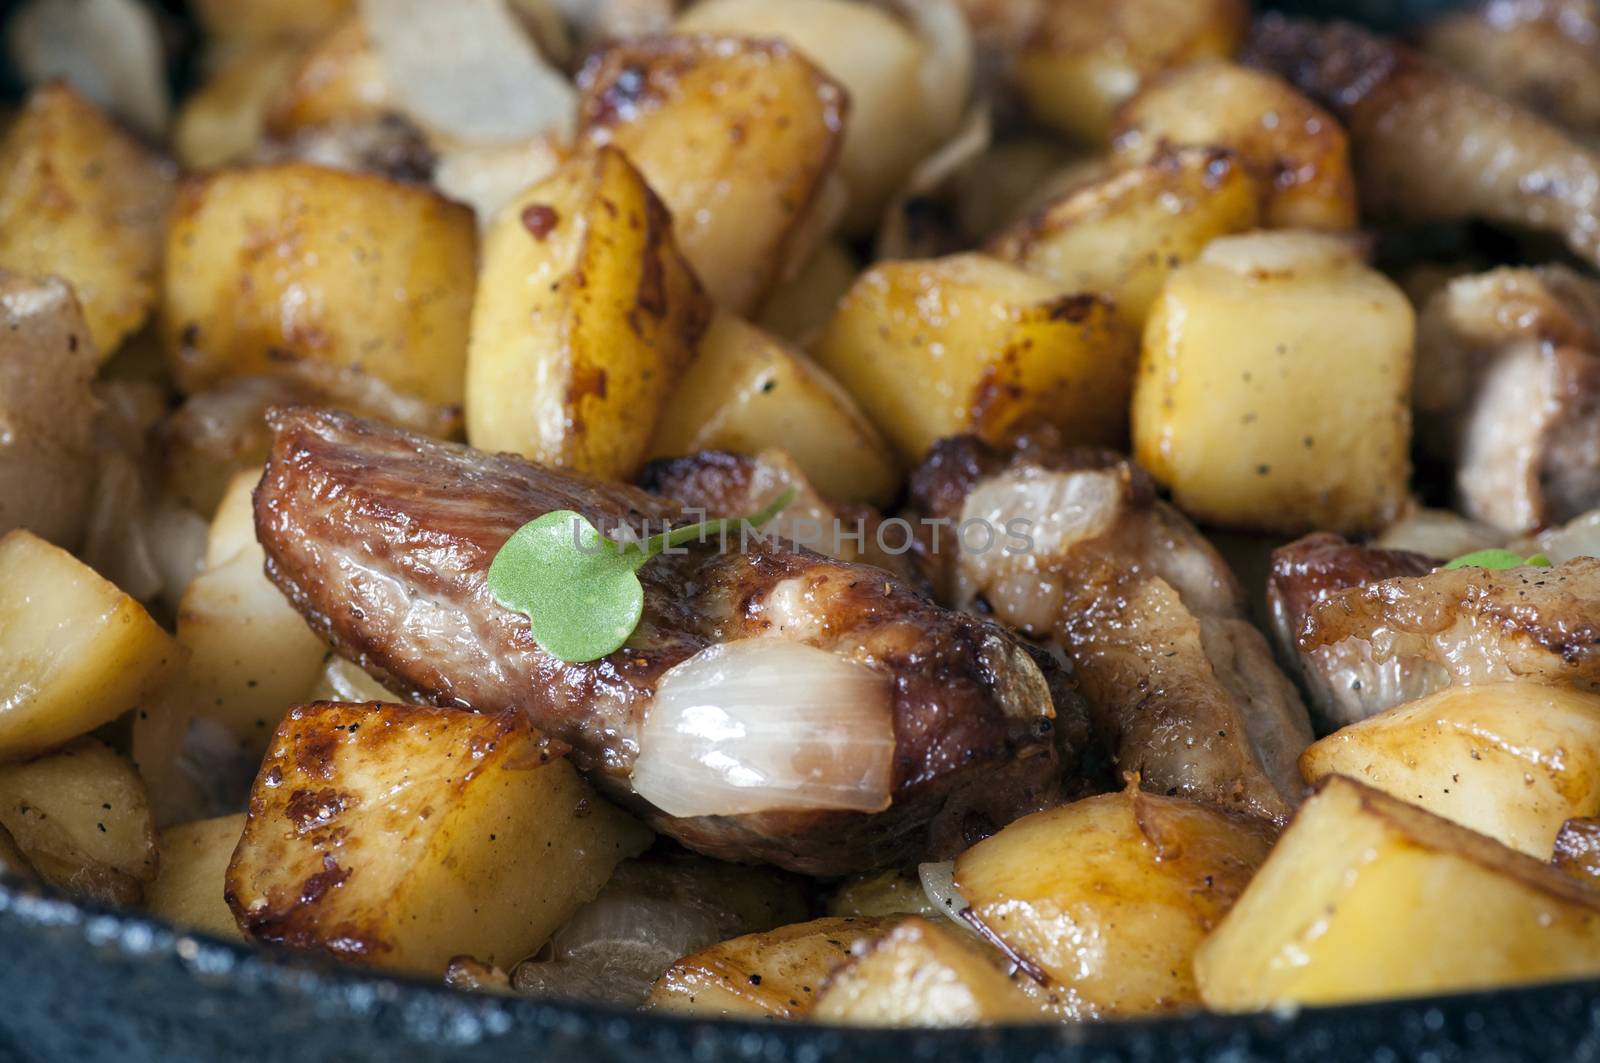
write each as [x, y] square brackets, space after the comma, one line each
[764, 724]
[467, 71]
[109, 50]
[939, 883]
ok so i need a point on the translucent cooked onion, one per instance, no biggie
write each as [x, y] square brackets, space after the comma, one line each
[764, 724]
[1438, 533]
[467, 70]
[109, 50]
[939, 883]
[1579, 537]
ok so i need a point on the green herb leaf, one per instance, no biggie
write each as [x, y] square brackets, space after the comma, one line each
[1496, 560]
[579, 590]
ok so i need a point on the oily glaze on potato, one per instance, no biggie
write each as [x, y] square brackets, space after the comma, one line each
[968, 343]
[772, 975]
[194, 860]
[284, 263]
[1274, 387]
[1080, 60]
[1511, 760]
[925, 973]
[747, 391]
[1106, 899]
[75, 652]
[83, 200]
[1121, 236]
[1295, 148]
[400, 836]
[586, 320]
[1366, 897]
[80, 818]
[737, 137]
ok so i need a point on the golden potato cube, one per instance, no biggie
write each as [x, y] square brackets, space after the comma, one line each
[80, 818]
[82, 199]
[1108, 897]
[258, 21]
[747, 391]
[771, 975]
[924, 974]
[1123, 235]
[288, 262]
[75, 652]
[400, 836]
[194, 861]
[338, 79]
[800, 308]
[250, 654]
[1081, 60]
[1511, 760]
[1366, 897]
[1274, 387]
[737, 137]
[1298, 150]
[968, 343]
[222, 121]
[585, 321]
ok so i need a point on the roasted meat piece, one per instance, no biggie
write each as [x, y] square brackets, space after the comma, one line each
[1372, 628]
[1430, 146]
[1180, 687]
[1508, 389]
[382, 539]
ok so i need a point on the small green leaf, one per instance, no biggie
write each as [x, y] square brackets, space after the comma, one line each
[1496, 560]
[581, 596]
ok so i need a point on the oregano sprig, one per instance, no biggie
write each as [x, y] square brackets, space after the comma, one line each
[1496, 560]
[580, 590]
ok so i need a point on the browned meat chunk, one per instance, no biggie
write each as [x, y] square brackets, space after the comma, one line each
[1180, 687]
[383, 539]
[1508, 388]
[1429, 146]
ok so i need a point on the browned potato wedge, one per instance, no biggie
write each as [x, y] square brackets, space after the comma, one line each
[1367, 897]
[338, 79]
[1577, 850]
[81, 199]
[400, 836]
[1274, 387]
[772, 975]
[47, 410]
[222, 121]
[968, 343]
[1080, 60]
[905, 98]
[585, 321]
[194, 860]
[257, 21]
[1298, 150]
[250, 655]
[1511, 760]
[1123, 235]
[737, 137]
[748, 391]
[1107, 898]
[924, 973]
[80, 818]
[75, 652]
[288, 262]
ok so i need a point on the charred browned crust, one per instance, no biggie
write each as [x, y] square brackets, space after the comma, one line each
[382, 540]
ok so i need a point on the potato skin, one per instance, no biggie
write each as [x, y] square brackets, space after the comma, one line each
[586, 319]
[968, 343]
[1274, 386]
[737, 137]
[1107, 898]
[282, 263]
[83, 200]
[1514, 760]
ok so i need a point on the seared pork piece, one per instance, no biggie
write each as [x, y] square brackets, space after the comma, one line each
[1508, 388]
[1543, 54]
[1374, 628]
[1430, 146]
[1345, 684]
[938, 727]
[719, 484]
[1180, 687]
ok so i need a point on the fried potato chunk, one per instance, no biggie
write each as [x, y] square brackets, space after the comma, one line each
[194, 860]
